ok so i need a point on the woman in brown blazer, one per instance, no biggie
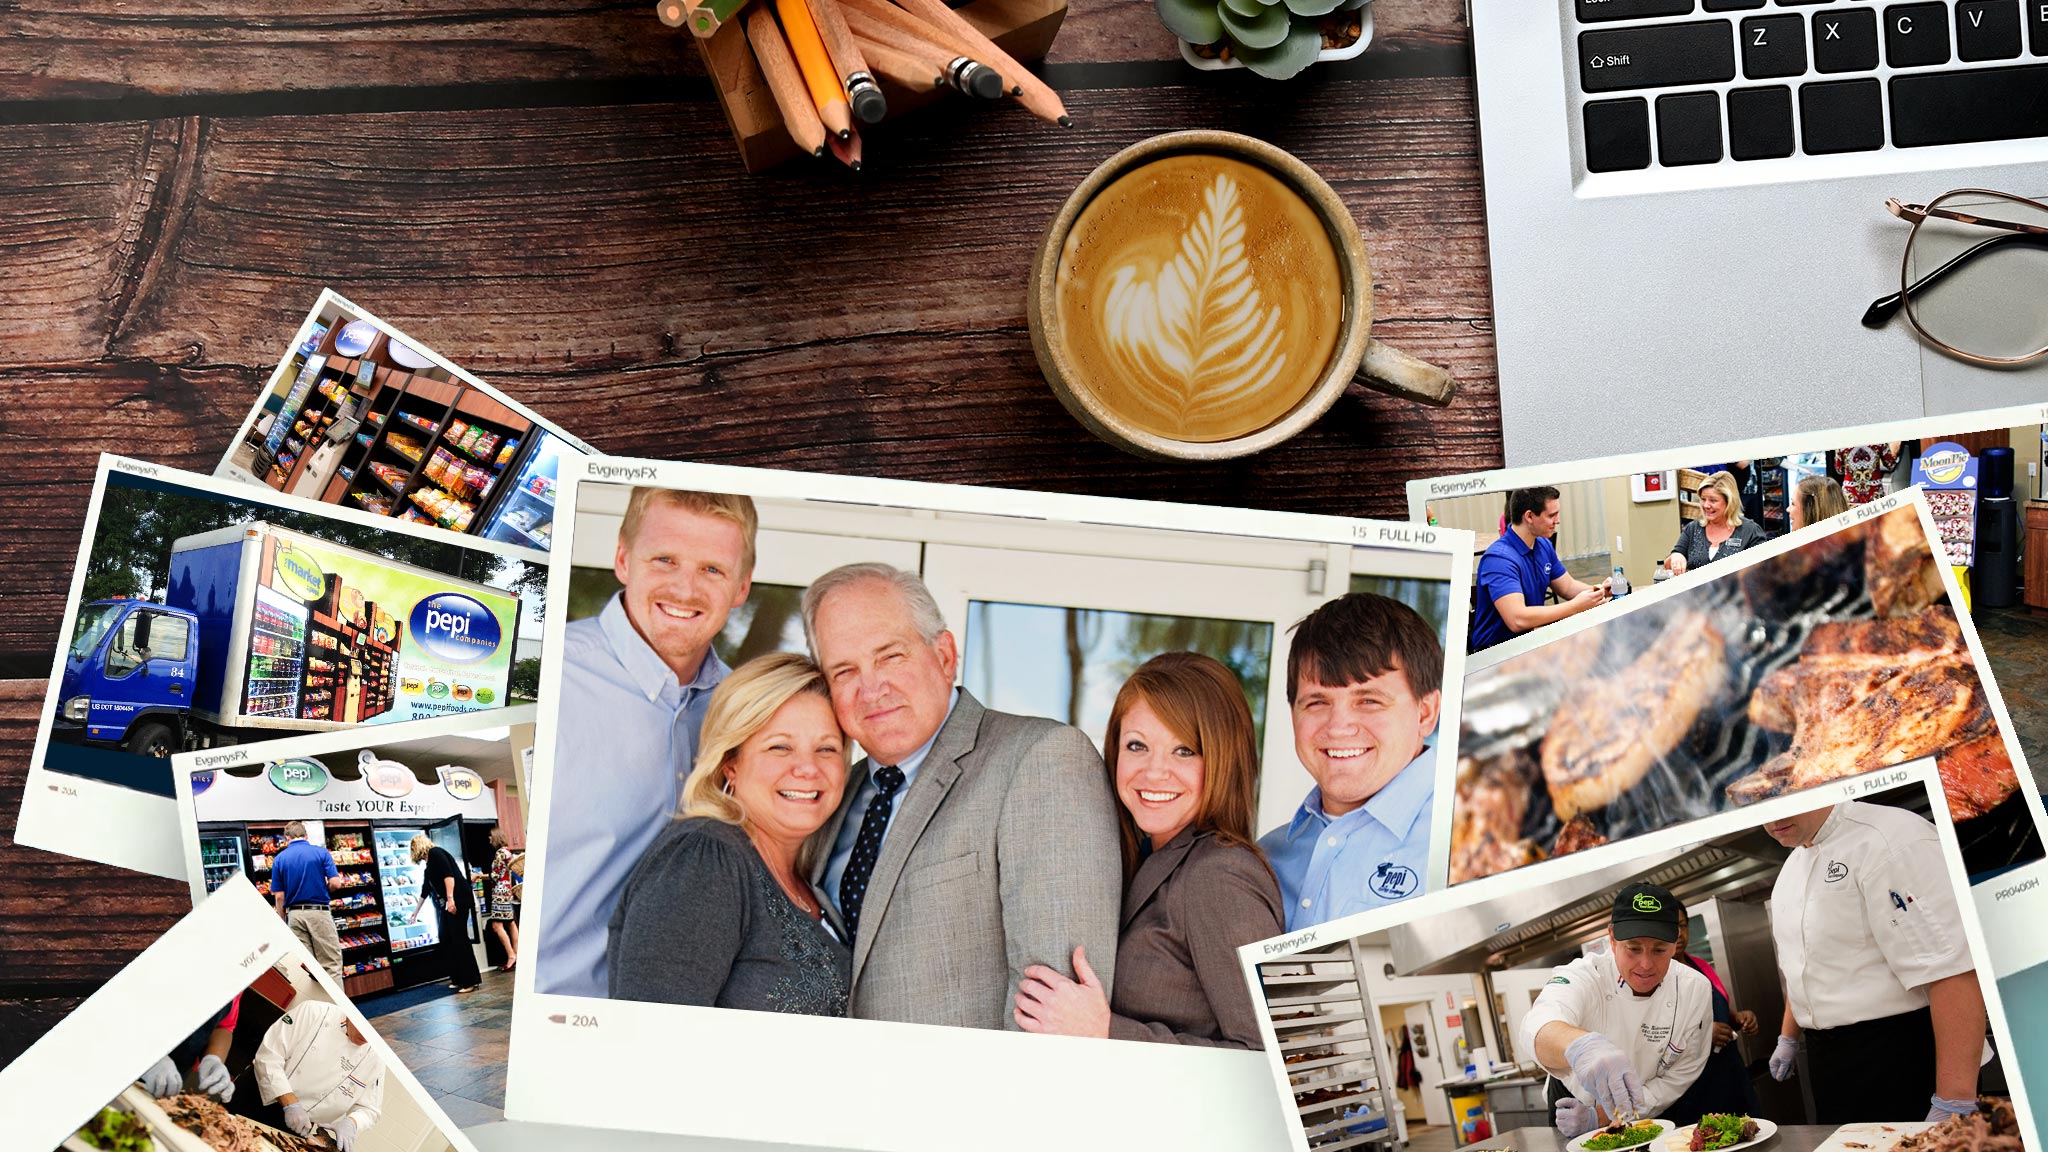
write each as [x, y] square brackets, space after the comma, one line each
[1183, 758]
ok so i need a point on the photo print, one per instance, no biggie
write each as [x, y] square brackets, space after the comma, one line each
[205, 614]
[1584, 522]
[919, 829]
[223, 1036]
[361, 415]
[1831, 653]
[1810, 968]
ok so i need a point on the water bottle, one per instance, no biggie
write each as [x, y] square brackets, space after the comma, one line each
[1618, 587]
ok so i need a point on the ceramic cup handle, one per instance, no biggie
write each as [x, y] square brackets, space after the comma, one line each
[1396, 373]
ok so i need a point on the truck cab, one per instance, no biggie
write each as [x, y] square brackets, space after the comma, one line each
[128, 677]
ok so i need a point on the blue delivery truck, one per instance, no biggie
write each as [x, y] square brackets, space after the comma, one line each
[266, 629]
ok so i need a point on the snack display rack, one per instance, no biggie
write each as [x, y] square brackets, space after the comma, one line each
[1329, 1042]
[365, 959]
[431, 451]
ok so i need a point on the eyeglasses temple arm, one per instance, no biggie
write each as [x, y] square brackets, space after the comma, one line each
[1916, 213]
[1884, 308]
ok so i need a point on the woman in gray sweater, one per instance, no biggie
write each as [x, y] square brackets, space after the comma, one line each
[718, 912]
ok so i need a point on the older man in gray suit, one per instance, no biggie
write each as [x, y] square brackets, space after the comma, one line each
[971, 843]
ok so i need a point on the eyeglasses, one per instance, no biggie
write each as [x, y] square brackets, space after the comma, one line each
[1981, 262]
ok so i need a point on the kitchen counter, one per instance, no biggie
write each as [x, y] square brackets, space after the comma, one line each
[1789, 1138]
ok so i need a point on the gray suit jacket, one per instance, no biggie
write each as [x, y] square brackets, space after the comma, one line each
[1002, 853]
[1191, 906]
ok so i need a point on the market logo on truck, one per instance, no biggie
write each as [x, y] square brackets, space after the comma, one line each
[299, 574]
[298, 777]
[456, 628]
[462, 783]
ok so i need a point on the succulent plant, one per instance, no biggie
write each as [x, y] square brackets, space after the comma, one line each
[1274, 38]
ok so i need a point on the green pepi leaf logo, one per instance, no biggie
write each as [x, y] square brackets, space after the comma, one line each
[1645, 902]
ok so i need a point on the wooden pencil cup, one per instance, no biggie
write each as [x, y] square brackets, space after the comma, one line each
[1023, 28]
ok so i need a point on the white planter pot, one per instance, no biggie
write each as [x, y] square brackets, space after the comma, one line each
[1351, 52]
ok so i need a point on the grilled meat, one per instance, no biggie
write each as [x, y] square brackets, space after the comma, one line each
[1610, 732]
[1898, 565]
[1775, 588]
[1577, 835]
[1992, 1128]
[1873, 693]
[1486, 824]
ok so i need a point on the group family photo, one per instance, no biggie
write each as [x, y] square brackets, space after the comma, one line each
[801, 793]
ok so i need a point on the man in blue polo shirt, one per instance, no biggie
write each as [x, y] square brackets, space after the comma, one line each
[1364, 686]
[300, 877]
[1518, 567]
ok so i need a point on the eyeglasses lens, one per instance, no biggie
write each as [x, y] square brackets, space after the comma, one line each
[1994, 303]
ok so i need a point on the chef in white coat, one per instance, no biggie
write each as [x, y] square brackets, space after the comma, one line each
[1626, 1031]
[319, 1070]
[1877, 972]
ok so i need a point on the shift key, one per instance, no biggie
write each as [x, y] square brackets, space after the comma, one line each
[1656, 56]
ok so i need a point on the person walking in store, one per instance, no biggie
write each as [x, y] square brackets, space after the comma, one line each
[1720, 531]
[504, 912]
[1364, 687]
[1723, 1085]
[1866, 470]
[1518, 568]
[316, 1071]
[1623, 1032]
[636, 680]
[301, 876]
[1879, 985]
[1817, 498]
[1185, 765]
[721, 912]
[445, 888]
[1003, 828]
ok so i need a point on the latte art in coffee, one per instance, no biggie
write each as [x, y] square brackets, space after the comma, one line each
[1199, 297]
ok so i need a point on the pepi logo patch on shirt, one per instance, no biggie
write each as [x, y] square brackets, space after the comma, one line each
[1393, 881]
[1837, 871]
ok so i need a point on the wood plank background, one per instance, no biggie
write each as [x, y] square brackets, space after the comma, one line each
[544, 191]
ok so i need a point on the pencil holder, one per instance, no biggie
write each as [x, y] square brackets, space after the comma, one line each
[1023, 28]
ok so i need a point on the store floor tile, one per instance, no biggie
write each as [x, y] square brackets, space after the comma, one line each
[467, 1113]
[457, 1072]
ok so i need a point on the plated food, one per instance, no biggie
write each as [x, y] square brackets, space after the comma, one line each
[1836, 658]
[1992, 1128]
[1621, 1134]
[1720, 1132]
[137, 1122]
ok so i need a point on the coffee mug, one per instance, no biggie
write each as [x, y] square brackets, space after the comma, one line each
[1204, 295]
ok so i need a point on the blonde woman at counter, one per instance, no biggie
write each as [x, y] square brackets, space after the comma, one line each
[1720, 531]
[1626, 1031]
[718, 913]
[1184, 762]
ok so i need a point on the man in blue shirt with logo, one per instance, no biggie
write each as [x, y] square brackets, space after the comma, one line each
[636, 682]
[301, 875]
[1364, 685]
[1516, 569]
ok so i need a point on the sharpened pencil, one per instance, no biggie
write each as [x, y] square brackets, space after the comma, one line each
[1031, 92]
[785, 81]
[847, 150]
[874, 13]
[849, 62]
[906, 33]
[901, 68]
[811, 59]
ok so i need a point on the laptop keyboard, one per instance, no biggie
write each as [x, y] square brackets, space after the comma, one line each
[1672, 83]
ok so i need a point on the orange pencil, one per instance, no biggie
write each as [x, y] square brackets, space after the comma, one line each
[851, 64]
[798, 114]
[847, 150]
[809, 50]
[1031, 92]
[900, 67]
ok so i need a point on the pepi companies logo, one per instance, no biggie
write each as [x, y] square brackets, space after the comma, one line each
[456, 628]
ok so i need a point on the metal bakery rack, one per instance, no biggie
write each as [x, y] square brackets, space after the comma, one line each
[1329, 1041]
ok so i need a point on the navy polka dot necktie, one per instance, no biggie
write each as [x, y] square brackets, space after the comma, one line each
[853, 883]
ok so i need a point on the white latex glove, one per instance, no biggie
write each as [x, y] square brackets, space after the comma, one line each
[298, 1119]
[214, 1079]
[1784, 1057]
[345, 1134]
[1574, 1119]
[1604, 1071]
[1943, 1109]
[162, 1079]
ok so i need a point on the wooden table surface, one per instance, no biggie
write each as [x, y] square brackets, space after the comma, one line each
[545, 192]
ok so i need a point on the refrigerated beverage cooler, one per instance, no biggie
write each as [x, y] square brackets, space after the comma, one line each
[220, 857]
[525, 513]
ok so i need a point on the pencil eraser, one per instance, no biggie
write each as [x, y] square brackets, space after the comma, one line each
[985, 83]
[870, 105]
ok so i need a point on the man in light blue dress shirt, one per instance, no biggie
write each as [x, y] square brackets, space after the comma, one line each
[636, 682]
[1364, 685]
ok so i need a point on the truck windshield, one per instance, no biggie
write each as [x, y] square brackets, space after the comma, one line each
[93, 621]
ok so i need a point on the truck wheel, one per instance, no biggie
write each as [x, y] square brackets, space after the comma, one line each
[153, 738]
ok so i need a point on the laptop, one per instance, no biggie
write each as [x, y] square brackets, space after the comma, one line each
[1685, 207]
